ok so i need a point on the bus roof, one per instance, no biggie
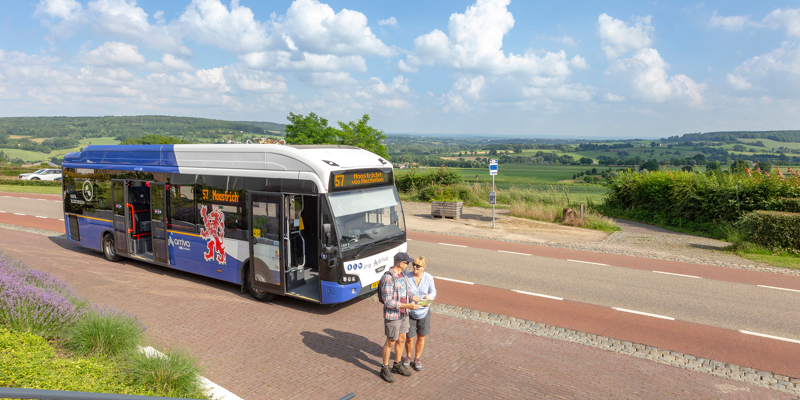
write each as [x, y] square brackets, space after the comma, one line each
[222, 159]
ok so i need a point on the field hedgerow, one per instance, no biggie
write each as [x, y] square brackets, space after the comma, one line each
[34, 301]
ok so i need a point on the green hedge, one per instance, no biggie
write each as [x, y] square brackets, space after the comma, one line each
[29, 183]
[680, 198]
[772, 229]
[419, 180]
[783, 204]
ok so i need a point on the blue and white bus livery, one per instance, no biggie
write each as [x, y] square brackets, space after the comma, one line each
[320, 223]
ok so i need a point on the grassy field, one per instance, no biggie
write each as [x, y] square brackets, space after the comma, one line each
[35, 156]
[770, 144]
[31, 189]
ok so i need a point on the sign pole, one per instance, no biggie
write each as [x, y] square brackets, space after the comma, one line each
[493, 193]
[493, 203]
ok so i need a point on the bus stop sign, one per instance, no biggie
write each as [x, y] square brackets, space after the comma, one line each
[492, 167]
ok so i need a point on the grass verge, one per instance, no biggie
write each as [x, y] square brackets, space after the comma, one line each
[31, 189]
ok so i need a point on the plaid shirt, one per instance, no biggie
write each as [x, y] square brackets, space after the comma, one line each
[391, 299]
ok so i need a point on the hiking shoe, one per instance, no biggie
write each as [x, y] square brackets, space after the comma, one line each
[386, 374]
[407, 362]
[417, 364]
[399, 368]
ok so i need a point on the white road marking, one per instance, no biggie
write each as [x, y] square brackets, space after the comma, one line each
[779, 288]
[39, 216]
[770, 337]
[216, 391]
[454, 245]
[2, 212]
[643, 313]
[587, 262]
[60, 219]
[513, 252]
[18, 214]
[453, 280]
[670, 273]
[537, 294]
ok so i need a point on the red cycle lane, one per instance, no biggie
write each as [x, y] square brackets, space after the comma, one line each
[645, 264]
[724, 345]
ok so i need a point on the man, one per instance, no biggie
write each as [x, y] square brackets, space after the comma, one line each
[396, 303]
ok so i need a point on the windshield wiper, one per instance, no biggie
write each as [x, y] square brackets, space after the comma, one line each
[387, 240]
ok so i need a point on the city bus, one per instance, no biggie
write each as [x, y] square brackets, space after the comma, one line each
[316, 222]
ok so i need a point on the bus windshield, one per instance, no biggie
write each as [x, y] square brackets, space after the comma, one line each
[367, 215]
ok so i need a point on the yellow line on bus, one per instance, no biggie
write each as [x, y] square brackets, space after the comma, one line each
[184, 233]
[302, 297]
[83, 216]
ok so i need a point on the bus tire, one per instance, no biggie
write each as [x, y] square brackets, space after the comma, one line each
[109, 251]
[260, 295]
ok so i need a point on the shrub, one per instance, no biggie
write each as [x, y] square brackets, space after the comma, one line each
[34, 301]
[432, 177]
[29, 183]
[444, 193]
[104, 333]
[175, 374]
[783, 204]
[773, 229]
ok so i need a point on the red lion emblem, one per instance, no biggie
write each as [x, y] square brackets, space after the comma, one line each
[214, 233]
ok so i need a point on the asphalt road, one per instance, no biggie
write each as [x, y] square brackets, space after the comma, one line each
[716, 303]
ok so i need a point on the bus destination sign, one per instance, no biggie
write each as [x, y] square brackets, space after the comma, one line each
[360, 179]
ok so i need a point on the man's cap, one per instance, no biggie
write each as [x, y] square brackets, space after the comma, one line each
[400, 257]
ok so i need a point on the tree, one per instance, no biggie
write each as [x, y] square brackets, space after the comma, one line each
[739, 166]
[650, 165]
[154, 139]
[712, 166]
[310, 129]
[764, 166]
[585, 160]
[359, 134]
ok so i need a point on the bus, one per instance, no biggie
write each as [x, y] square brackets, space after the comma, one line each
[315, 222]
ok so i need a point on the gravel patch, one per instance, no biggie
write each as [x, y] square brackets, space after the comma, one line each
[686, 361]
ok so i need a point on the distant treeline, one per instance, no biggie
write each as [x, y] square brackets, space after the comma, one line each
[123, 128]
[778, 136]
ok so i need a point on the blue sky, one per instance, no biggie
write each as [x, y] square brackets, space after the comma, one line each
[491, 67]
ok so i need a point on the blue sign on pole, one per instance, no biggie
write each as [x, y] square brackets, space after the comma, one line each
[492, 167]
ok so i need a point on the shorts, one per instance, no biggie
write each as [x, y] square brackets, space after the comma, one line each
[396, 327]
[421, 326]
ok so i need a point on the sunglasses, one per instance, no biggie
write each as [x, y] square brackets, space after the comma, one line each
[418, 266]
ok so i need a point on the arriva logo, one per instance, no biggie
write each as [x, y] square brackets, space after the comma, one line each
[180, 243]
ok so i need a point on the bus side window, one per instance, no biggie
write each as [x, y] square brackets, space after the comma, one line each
[182, 215]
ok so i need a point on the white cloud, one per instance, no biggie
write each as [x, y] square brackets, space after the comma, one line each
[579, 62]
[391, 21]
[565, 39]
[304, 62]
[739, 82]
[788, 18]
[112, 53]
[619, 37]
[405, 68]
[776, 71]
[730, 23]
[170, 61]
[475, 42]
[234, 29]
[315, 28]
[647, 75]
[62, 9]
[614, 97]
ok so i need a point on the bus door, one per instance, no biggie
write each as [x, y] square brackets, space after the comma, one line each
[121, 216]
[268, 241]
[158, 222]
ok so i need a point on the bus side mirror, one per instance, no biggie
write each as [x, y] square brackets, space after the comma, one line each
[327, 239]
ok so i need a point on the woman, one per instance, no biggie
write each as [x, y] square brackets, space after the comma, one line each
[421, 285]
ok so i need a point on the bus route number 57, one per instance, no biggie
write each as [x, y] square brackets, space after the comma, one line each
[339, 180]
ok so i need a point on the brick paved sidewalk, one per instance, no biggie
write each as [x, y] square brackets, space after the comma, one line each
[292, 349]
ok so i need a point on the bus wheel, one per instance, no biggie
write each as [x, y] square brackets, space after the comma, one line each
[109, 251]
[260, 295]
